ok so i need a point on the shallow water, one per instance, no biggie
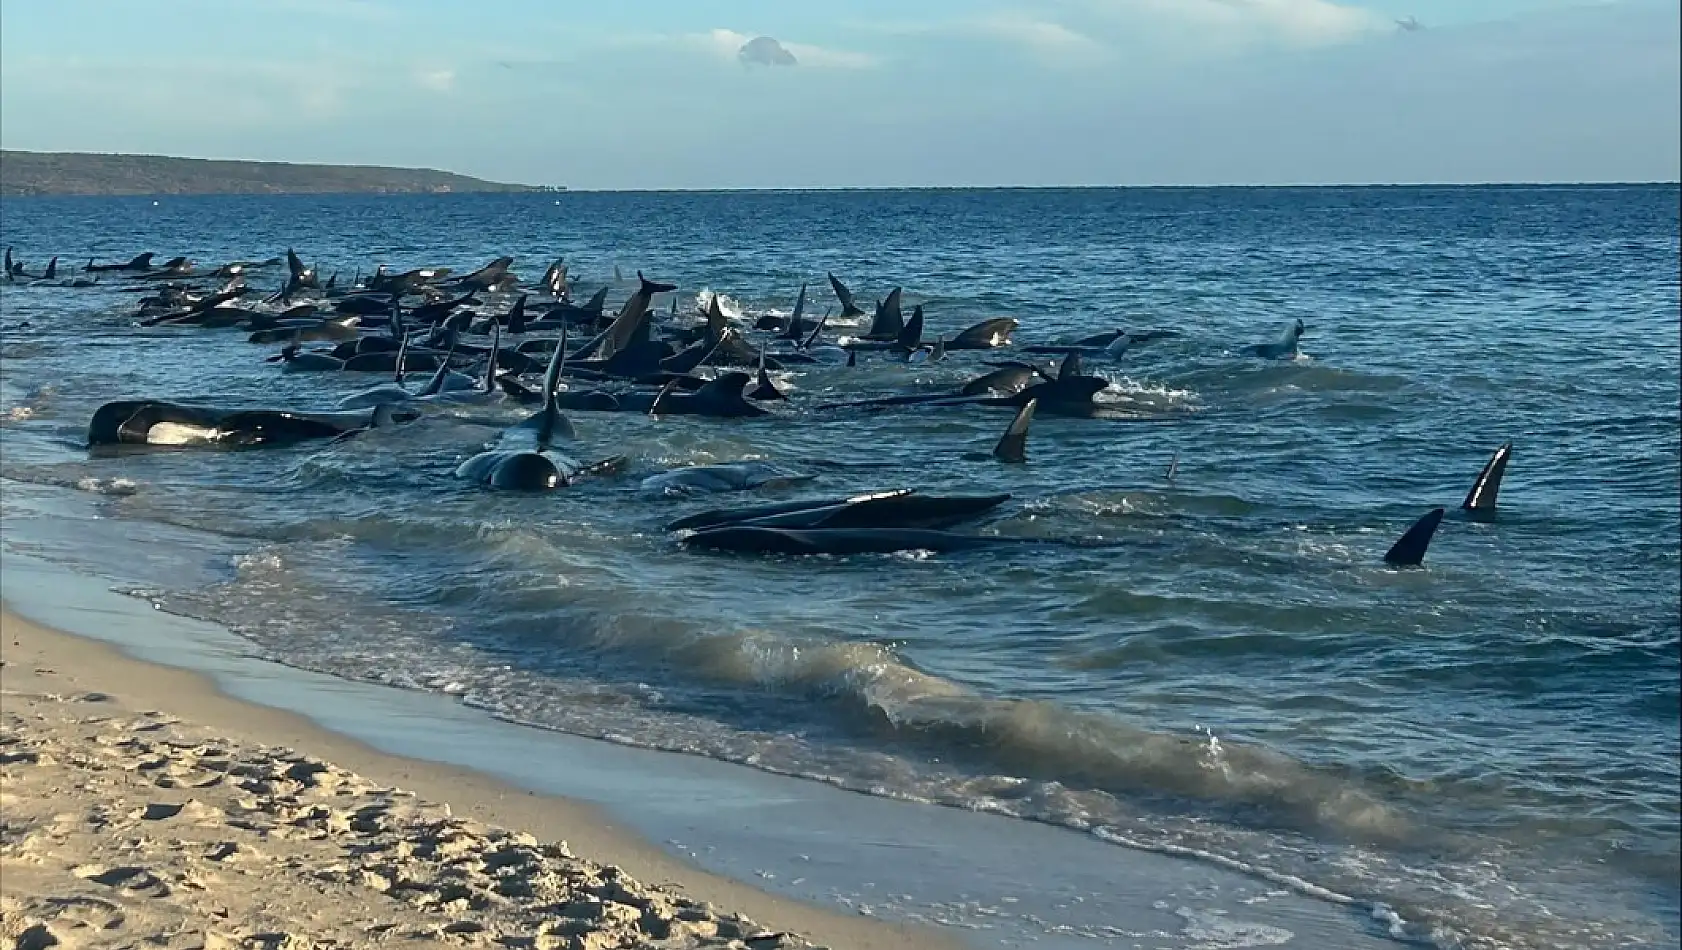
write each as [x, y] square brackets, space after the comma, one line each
[1488, 746]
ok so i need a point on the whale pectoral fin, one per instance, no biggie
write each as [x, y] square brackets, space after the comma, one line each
[1409, 550]
[654, 407]
[1013, 447]
[1485, 490]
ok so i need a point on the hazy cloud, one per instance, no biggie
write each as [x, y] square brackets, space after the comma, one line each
[765, 51]
[440, 80]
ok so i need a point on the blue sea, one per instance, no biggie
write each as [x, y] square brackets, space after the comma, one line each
[1483, 751]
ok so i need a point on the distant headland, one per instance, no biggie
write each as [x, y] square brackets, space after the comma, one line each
[84, 173]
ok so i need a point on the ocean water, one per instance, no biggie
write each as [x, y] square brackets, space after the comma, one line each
[1481, 753]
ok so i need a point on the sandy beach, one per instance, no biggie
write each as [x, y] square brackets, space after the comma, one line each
[140, 806]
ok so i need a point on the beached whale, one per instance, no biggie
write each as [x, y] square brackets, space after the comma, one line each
[525, 458]
[155, 422]
[903, 508]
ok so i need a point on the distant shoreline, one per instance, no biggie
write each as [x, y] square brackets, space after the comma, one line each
[90, 174]
[27, 174]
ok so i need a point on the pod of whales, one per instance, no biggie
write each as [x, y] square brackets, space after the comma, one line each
[635, 359]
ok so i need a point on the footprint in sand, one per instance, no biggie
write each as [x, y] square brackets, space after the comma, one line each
[130, 879]
[37, 937]
[228, 850]
[249, 941]
[158, 811]
[60, 921]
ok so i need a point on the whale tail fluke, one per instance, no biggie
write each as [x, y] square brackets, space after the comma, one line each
[652, 287]
[845, 296]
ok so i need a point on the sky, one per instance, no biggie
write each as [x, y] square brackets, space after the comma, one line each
[860, 93]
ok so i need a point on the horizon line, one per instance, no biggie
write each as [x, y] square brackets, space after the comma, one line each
[555, 191]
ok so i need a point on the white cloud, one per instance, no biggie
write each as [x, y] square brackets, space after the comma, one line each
[1044, 37]
[835, 58]
[725, 44]
[1294, 22]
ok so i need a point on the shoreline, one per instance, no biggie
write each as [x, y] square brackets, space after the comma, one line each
[952, 877]
[48, 673]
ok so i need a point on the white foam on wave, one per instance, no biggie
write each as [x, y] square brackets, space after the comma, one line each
[1212, 930]
[1397, 927]
[727, 305]
[115, 487]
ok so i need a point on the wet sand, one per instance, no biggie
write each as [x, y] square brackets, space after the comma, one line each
[141, 806]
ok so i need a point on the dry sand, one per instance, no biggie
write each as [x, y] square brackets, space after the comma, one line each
[139, 807]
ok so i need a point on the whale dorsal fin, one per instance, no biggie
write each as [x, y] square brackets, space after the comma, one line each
[911, 334]
[436, 385]
[1070, 367]
[490, 363]
[717, 325]
[1488, 485]
[402, 359]
[552, 374]
[1014, 446]
[888, 322]
[1409, 549]
[517, 316]
[816, 331]
[793, 330]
